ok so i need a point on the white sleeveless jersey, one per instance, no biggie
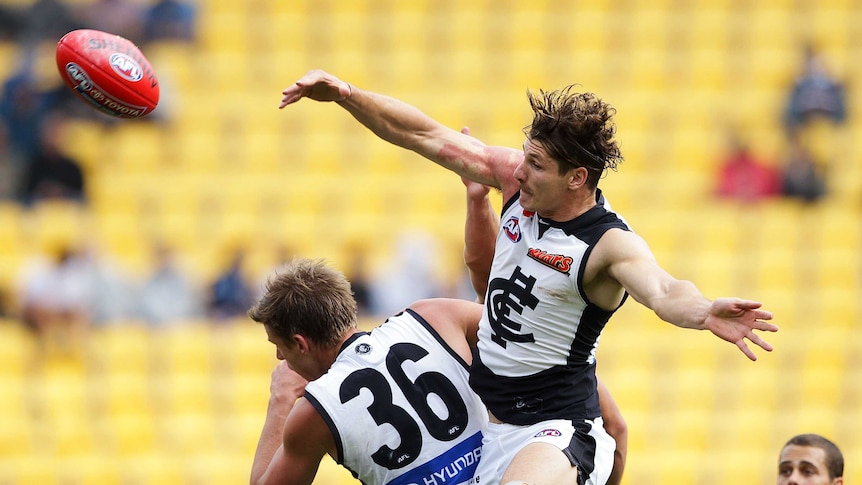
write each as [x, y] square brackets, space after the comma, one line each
[539, 333]
[400, 408]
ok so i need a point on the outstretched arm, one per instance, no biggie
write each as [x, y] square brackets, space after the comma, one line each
[406, 126]
[630, 262]
[294, 437]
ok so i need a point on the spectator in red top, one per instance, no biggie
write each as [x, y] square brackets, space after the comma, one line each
[744, 177]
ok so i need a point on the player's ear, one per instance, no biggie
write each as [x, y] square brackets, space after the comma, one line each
[577, 177]
[301, 343]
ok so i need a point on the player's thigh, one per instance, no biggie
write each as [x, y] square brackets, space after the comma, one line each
[540, 464]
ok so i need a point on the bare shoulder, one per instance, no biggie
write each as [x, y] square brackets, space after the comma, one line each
[443, 312]
[616, 246]
[620, 243]
[455, 320]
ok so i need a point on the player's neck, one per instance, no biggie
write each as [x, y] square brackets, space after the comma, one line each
[575, 206]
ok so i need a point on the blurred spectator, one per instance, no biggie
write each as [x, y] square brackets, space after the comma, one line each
[802, 176]
[10, 23]
[111, 299]
[409, 275]
[743, 177]
[8, 165]
[170, 20]
[5, 304]
[46, 20]
[121, 17]
[23, 106]
[167, 295]
[55, 296]
[815, 93]
[357, 274]
[231, 295]
[49, 173]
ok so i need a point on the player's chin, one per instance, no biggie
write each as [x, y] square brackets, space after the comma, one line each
[526, 201]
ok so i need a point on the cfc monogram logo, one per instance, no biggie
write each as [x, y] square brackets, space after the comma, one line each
[504, 297]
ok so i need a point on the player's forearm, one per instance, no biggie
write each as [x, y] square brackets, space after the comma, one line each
[682, 305]
[271, 437]
[480, 234]
[404, 125]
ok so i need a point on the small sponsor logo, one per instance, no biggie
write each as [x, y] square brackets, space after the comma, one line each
[558, 262]
[548, 432]
[512, 229]
[457, 465]
[126, 67]
[79, 76]
[363, 349]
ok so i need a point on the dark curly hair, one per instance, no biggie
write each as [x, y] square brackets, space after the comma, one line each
[576, 129]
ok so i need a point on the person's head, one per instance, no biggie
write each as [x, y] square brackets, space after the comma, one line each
[576, 130]
[810, 459]
[570, 143]
[307, 309]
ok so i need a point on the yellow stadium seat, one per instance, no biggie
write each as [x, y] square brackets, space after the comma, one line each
[239, 433]
[71, 437]
[89, 469]
[709, 74]
[776, 269]
[137, 147]
[61, 393]
[85, 141]
[832, 28]
[30, 470]
[820, 420]
[119, 394]
[711, 26]
[839, 230]
[57, 224]
[839, 269]
[157, 466]
[18, 349]
[682, 466]
[217, 469]
[183, 348]
[187, 434]
[17, 439]
[127, 435]
[772, 29]
[174, 63]
[120, 349]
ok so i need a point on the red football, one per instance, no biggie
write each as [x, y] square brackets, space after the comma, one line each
[109, 72]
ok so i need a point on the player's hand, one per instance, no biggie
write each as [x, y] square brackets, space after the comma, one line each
[475, 191]
[317, 85]
[286, 385]
[735, 320]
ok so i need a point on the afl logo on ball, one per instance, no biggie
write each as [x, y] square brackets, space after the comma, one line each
[126, 67]
[79, 77]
